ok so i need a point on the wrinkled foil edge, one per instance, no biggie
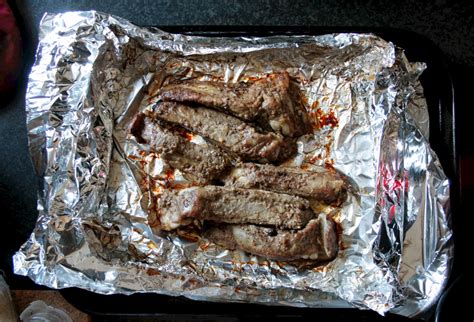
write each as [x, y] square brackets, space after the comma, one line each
[36, 261]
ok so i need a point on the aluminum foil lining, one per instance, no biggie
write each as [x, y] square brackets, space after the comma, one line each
[94, 72]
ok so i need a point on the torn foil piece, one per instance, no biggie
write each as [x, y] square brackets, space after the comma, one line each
[96, 227]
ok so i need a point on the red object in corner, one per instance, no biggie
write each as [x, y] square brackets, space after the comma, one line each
[10, 48]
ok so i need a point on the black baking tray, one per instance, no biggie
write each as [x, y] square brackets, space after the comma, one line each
[439, 93]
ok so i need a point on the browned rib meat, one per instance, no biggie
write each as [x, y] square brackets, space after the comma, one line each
[237, 206]
[316, 241]
[198, 162]
[227, 131]
[268, 101]
[321, 185]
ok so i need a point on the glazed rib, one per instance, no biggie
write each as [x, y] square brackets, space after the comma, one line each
[316, 241]
[237, 206]
[317, 184]
[227, 131]
[200, 163]
[268, 101]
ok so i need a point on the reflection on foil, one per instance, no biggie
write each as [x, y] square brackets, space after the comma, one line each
[97, 229]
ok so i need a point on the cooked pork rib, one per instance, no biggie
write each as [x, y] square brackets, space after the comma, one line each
[227, 131]
[321, 184]
[316, 241]
[236, 206]
[201, 163]
[268, 101]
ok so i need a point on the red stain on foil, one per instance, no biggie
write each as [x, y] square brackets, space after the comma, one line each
[134, 158]
[321, 118]
[329, 119]
[169, 174]
[152, 272]
[315, 158]
[329, 164]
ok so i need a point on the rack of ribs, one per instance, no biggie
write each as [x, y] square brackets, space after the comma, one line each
[232, 205]
[198, 162]
[271, 101]
[248, 128]
[316, 241]
[317, 184]
[227, 131]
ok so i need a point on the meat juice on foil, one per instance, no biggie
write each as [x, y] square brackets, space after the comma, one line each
[97, 227]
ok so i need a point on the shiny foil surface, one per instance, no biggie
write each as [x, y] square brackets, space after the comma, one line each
[97, 228]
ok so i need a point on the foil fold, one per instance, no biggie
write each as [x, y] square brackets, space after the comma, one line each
[96, 229]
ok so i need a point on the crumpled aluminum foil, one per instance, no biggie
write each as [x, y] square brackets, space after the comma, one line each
[94, 72]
